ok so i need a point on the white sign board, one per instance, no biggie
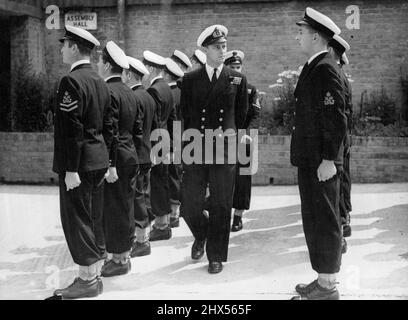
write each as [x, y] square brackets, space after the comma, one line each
[85, 20]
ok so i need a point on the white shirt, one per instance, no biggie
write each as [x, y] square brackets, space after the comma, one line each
[314, 56]
[172, 83]
[154, 79]
[77, 63]
[110, 77]
[210, 70]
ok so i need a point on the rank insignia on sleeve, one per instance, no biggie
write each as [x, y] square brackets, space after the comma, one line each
[328, 99]
[67, 98]
[236, 80]
[67, 104]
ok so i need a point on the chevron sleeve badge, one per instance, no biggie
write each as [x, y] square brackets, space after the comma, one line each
[67, 104]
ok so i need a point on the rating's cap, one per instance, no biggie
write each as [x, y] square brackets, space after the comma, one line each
[116, 55]
[173, 68]
[179, 56]
[319, 22]
[153, 59]
[341, 47]
[81, 36]
[214, 34]
[137, 67]
[234, 57]
[200, 56]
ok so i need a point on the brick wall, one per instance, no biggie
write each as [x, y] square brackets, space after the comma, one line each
[265, 31]
[27, 157]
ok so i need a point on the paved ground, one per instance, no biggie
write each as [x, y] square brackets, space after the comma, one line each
[266, 259]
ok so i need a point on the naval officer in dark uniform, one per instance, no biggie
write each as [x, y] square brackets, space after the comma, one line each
[338, 48]
[173, 73]
[133, 78]
[165, 114]
[82, 139]
[212, 97]
[120, 189]
[243, 183]
[317, 151]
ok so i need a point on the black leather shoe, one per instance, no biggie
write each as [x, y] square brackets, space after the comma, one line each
[305, 288]
[174, 222]
[236, 224]
[140, 249]
[320, 293]
[111, 268]
[79, 289]
[214, 267]
[160, 234]
[346, 230]
[343, 245]
[197, 250]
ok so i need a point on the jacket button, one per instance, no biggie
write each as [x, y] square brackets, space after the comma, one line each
[296, 99]
[220, 119]
[202, 119]
[222, 110]
[203, 110]
[202, 127]
[293, 127]
[294, 113]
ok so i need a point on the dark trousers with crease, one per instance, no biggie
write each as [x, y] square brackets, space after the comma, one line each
[243, 184]
[160, 194]
[175, 174]
[143, 206]
[81, 211]
[216, 229]
[118, 213]
[321, 219]
[345, 188]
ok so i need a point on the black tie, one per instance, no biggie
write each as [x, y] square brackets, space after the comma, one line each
[214, 77]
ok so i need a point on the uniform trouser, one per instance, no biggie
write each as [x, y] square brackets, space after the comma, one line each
[81, 211]
[321, 219]
[216, 229]
[345, 188]
[142, 196]
[242, 191]
[175, 173]
[160, 195]
[119, 224]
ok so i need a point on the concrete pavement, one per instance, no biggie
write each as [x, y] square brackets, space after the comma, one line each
[266, 259]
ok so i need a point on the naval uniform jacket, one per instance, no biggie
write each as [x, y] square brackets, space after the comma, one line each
[348, 107]
[148, 110]
[220, 106]
[165, 112]
[129, 122]
[320, 121]
[83, 122]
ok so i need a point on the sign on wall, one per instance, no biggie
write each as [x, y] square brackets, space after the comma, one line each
[85, 20]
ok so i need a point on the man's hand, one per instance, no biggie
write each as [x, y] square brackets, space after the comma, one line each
[72, 180]
[246, 139]
[112, 176]
[326, 170]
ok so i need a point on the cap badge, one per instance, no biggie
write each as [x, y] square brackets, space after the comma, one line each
[328, 100]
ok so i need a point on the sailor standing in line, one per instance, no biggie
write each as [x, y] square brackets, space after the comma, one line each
[172, 74]
[133, 78]
[82, 138]
[317, 151]
[165, 113]
[338, 48]
[119, 192]
[243, 183]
